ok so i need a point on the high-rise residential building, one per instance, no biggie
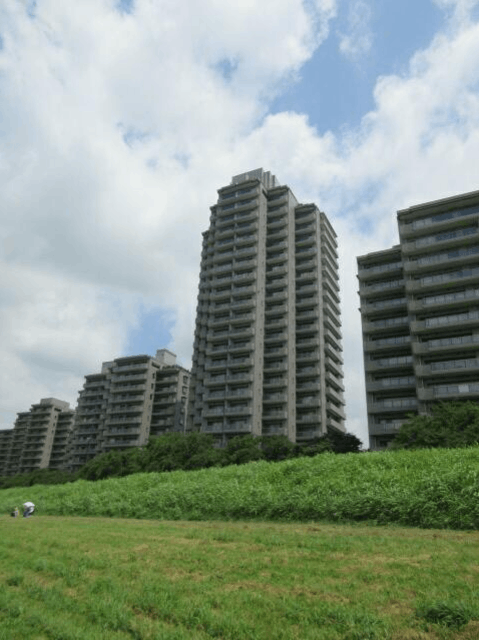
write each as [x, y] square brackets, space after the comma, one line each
[267, 350]
[36, 440]
[5, 442]
[420, 314]
[133, 398]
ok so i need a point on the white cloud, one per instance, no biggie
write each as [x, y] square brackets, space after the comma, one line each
[358, 39]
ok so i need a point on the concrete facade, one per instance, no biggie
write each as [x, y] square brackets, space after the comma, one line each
[38, 438]
[132, 399]
[267, 349]
[420, 314]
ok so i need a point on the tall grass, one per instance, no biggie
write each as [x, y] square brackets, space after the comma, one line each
[427, 488]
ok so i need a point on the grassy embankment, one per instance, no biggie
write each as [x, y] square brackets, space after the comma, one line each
[115, 579]
[428, 488]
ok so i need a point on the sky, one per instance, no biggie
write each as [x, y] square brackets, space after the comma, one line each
[120, 119]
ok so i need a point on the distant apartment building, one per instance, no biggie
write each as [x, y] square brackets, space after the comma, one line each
[5, 441]
[133, 398]
[38, 438]
[420, 314]
[267, 350]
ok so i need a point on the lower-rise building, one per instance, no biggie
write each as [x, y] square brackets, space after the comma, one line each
[132, 399]
[36, 440]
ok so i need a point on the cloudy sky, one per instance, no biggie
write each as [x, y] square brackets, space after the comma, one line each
[119, 119]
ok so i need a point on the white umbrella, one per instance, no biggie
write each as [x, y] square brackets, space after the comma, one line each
[28, 504]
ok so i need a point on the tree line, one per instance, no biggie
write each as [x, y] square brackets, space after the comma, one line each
[449, 425]
[178, 451]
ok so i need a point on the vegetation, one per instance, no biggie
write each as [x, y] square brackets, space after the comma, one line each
[39, 476]
[175, 451]
[146, 580]
[450, 425]
[435, 488]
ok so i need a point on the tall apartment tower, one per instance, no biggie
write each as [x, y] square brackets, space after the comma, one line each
[36, 440]
[420, 314]
[133, 398]
[267, 350]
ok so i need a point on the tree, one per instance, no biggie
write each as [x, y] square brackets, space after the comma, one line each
[277, 448]
[113, 464]
[242, 449]
[179, 451]
[344, 442]
[450, 425]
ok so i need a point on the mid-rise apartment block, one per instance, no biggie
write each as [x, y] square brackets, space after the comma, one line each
[38, 438]
[133, 398]
[420, 314]
[267, 349]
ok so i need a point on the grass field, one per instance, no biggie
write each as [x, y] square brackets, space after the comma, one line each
[65, 578]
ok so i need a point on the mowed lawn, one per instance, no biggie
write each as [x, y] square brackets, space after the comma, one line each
[98, 578]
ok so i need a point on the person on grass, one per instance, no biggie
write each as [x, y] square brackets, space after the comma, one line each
[28, 509]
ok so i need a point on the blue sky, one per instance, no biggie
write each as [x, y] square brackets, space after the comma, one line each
[120, 119]
[337, 91]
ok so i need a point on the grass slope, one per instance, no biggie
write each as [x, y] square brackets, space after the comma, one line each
[113, 579]
[428, 488]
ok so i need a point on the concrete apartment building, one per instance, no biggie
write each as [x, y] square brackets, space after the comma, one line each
[38, 438]
[420, 314]
[133, 398]
[267, 349]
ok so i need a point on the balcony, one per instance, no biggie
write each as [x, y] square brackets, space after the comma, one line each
[120, 420]
[136, 378]
[393, 363]
[391, 268]
[274, 398]
[307, 328]
[445, 345]
[234, 411]
[239, 393]
[308, 401]
[308, 372]
[464, 365]
[272, 367]
[446, 300]
[312, 343]
[247, 347]
[307, 356]
[277, 414]
[438, 323]
[392, 405]
[274, 382]
[274, 336]
[308, 418]
[121, 388]
[386, 428]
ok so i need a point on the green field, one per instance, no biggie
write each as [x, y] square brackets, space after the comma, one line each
[98, 579]
[437, 488]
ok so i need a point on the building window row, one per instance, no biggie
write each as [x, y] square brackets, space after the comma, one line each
[446, 255]
[462, 363]
[395, 360]
[449, 235]
[396, 381]
[453, 389]
[449, 276]
[455, 318]
[441, 217]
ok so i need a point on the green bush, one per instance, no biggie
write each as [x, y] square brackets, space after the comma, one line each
[450, 425]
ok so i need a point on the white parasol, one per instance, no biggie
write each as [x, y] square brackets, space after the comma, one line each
[28, 504]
